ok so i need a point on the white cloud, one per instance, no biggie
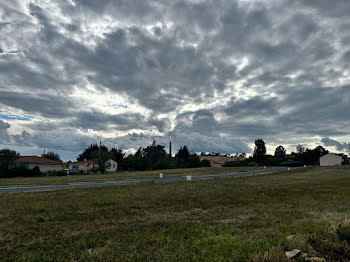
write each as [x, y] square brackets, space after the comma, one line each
[119, 69]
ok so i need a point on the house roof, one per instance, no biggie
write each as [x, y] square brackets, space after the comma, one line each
[85, 162]
[36, 160]
[332, 155]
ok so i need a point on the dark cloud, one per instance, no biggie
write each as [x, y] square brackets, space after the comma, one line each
[4, 136]
[341, 146]
[200, 131]
[211, 74]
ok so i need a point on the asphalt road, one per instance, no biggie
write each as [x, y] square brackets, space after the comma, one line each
[36, 188]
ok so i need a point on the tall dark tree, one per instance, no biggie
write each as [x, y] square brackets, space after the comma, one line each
[139, 153]
[52, 156]
[7, 158]
[155, 152]
[183, 154]
[259, 151]
[193, 161]
[300, 149]
[280, 152]
[117, 154]
[89, 150]
[321, 151]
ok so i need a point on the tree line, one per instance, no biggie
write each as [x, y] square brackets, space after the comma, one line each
[153, 157]
[302, 156]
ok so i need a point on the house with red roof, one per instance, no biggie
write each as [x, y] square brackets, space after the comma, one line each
[44, 164]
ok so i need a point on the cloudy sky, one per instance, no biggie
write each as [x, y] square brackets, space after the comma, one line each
[214, 74]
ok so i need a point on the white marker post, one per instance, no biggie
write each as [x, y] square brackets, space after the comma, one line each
[264, 167]
[161, 175]
[304, 165]
[188, 178]
[288, 168]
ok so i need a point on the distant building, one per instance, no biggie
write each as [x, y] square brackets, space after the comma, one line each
[331, 160]
[83, 166]
[87, 166]
[214, 163]
[218, 161]
[112, 166]
[44, 164]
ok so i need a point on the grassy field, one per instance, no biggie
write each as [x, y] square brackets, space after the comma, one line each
[233, 219]
[118, 176]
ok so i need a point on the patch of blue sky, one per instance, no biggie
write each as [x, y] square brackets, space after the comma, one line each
[1, 51]
[118, 106]
[11, 117]
[14, 52]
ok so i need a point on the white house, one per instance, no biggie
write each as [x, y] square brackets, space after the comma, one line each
[331, 160]
[111, 165]
[87, 165]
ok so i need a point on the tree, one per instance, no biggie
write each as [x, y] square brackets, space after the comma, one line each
[312, 156]
[193, 161]
[52, 156]
[272, 161]
[205, 163]
[118, 155]
[100, 158]
[321, 151]
[90, 149]
[182, 155]
[154, 152]
[300, 149]
[280, 152]
[259, 151]
[139, 152]
[7, 158]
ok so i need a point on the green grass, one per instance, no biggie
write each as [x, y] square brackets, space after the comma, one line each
[118, 176]
[253, 218]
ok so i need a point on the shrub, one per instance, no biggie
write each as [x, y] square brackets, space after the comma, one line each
[205, 163]
[237, 163]
[166, 163]
[95, 170]
[292, 164]
[61, 172]
[22, 171]
[272, 161]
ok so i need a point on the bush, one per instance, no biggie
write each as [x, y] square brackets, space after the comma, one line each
[193, 161]
[22, 171]
[166, 163]
[237, 163]
[293, 164]
[61, 172]
[205, 163]
[272, 161]
[143, 163]
[95, 170]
